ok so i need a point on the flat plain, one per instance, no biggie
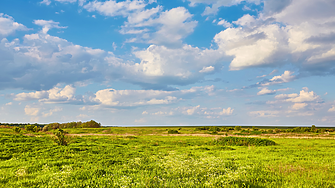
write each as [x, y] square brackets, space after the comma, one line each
[151, 157]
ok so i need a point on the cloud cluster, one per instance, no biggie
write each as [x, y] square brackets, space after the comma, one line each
[9, 26]
[204, 112]
[114, 98]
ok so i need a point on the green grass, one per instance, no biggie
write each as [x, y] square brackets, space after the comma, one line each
[161, 161]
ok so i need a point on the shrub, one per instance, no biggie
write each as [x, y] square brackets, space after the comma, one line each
[30, 127]
[17, 129]
[45, 128]
[254, 128]
[36, 129]
[172, 131]
[238, 128]
[240, 141]
[60, 137]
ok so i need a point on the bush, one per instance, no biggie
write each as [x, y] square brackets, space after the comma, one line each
[240, 141]
[30, 127]
[45, 128]
[171, 131]
[17, 129]
[36, 129]
[60, 137]
[238, 128]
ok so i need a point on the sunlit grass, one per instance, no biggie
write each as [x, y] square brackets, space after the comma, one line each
[161, 161]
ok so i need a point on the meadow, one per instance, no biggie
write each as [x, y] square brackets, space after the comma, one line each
[151, 157]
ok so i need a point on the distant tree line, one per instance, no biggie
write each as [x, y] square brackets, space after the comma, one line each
[311, 129]
[79, 124]
[37, 127]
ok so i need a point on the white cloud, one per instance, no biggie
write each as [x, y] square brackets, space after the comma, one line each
[298, 106]
[144, 113]
[304, 96]
[9, 104]
[47, 25]
[267, 113]
[168, 28]
[9, 26]
[51, 111]
[228, 111]
[114, 8]
[31, 111]
[54, 95]
[284, 78]
[332, 109]
[216, 4]
[192, 110]
[266, 91]
[142, 120]
[47, 2]
[207, 69]
[224, 23]
[129, 98]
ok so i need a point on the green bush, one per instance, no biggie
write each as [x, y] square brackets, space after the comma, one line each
[240, 141]
[172, 131]
[45, 128]
[30, 127]
[238, 128]
[60, 137]
[36, 129]
[17, 129]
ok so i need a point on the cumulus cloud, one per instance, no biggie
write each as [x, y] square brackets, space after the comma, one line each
[332, 109]
[267, 113]
[31, 111]
[224, 23]
[51, 111]
[9, 26]
[304, 96]
[53, 95]
[298, 106]
[214, 5]
[47, 25]
[131, 98]
[168, 28]
[228, 111]
[207, 69]
[266, 91]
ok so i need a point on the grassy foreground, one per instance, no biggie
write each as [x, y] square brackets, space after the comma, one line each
[35, 160]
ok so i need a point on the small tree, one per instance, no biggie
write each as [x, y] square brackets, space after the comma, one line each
[30, 127]
[17, 129]
[238, 128]
[60, 137]
[313, 128]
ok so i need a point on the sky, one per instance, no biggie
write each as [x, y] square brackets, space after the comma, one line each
[177, 62]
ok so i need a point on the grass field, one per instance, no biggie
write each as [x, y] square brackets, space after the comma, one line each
[149, 157]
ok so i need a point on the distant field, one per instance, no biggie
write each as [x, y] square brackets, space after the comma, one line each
[151, 157]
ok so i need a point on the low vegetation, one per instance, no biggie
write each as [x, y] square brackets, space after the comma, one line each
[151, 157]
[240, 141]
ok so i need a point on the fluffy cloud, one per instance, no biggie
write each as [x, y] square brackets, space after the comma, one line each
[169, 28]
[47, 25]
[224, 23]
[9, 26]
[129, 98]
[266, 91]
[114, 8]
[216, 4]
[228, 111]
[31, 111]
[304, 96]
[56, 95]
[207, 69]
[332, 109]
[267, 113]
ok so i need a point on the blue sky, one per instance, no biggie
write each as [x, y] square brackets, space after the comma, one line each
[177, 62]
